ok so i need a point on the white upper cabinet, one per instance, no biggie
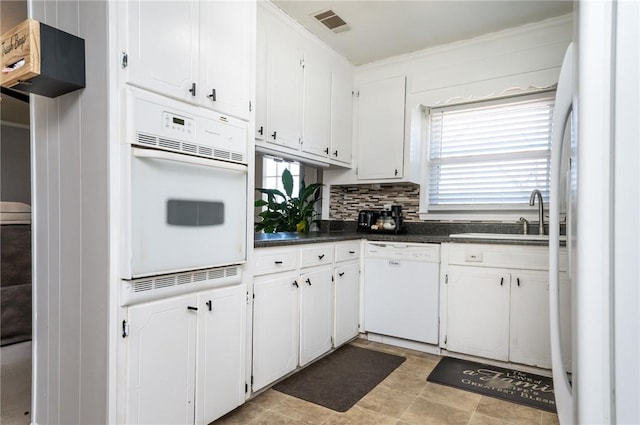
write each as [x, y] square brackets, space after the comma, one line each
[316, 129]
[284, 87]
[227, 28]
[381, 106]
[303, 93]
[195, 51]
[341, 115]
[163, 46]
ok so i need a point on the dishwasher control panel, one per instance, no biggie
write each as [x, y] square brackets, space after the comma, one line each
[407, 251]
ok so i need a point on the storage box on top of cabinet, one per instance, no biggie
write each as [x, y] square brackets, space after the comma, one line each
[40, 59]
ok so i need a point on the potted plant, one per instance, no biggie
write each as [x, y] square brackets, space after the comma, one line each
[284, 212]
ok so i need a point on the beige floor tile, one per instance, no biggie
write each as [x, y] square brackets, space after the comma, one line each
[509, 412]
[550, 419]
[418, 365]
[274, 418]
[303, 411]
[391, 349]
[388, 402]
[242, 415]
[405, 382]
[359, 416]
[420, 354]
[268, 399]
[478, 419]
[463, 400]
[427, 412]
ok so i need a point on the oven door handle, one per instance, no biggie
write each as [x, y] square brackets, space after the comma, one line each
[154, 154]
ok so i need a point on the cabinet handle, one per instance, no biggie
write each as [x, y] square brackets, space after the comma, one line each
[352, 252]
[295, 283]
[320, 257]
[341, 274]
[212, 96]
[326, 151]
[396, 172]
[261, 131]
[210, 305]
[308, 281]
[192, 308]
[501, 281]
[274, 135]
[192, 90]
[518, 281]
[335, 154]
[278, 262]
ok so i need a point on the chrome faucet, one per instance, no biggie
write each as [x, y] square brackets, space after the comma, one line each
[532, 201]
[525, 225]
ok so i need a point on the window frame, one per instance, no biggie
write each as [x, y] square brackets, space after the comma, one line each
[470, 212]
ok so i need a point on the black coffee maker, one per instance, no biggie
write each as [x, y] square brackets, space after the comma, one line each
[396, 214]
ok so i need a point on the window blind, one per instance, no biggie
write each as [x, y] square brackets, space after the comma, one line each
[490, 155]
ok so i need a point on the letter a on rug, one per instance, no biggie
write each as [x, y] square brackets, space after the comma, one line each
[341, 379]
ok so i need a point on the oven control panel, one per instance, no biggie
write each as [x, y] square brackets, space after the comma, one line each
[178, 124]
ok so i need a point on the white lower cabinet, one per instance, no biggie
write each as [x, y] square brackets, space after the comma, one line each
[185, 357]
[347, 302]
[478, 312]
[316, 313]
[275, 327]
[298, 314]
[502, 313]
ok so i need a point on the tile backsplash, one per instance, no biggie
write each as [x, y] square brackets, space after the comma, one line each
[346, 201]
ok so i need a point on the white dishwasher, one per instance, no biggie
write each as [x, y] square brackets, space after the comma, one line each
[401, 290]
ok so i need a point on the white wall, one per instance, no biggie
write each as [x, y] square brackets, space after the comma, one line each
[70, 175]
[510, 61]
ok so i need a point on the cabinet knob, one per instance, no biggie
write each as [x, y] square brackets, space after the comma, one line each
[210, 305]
[308, 281]
[341, 274]
[274, 135]
[335, 153]
[396, 172]
[326, 151]
[192, 90]
[212, 96]
[261, 131]
[320, 257]
[295, 283]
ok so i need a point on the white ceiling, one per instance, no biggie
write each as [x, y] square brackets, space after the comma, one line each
[385, 28]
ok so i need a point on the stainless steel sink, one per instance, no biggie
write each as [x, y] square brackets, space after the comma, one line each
[503, 236]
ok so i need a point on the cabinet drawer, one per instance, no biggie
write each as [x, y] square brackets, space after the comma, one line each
[347, 251]
[316, 254]
[507, 256]
[273, 260]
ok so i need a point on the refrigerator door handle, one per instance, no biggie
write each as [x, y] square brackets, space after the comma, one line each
[561, 114]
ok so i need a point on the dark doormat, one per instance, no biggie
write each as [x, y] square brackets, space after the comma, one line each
[342, 378]
[511, 385]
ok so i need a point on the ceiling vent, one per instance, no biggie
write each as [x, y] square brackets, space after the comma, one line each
[332, 21]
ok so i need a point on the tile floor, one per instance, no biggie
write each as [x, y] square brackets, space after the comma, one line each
[403, 398]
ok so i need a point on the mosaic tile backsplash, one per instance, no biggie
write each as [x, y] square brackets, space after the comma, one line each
[346, 201]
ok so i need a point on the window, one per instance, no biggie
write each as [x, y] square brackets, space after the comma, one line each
[488, 156]
[272, 174]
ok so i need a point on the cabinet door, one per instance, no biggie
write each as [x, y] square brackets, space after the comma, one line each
[478, 311]
[284, 87]
[341, 115]
[221, 352]
[316, 132]
[529, 325]
[347, 302]
[565, 320]
[226, 49]
[275, 327]
[261, 78]
[316, 314]
[381, 106]
[164, 46]
[161, 362]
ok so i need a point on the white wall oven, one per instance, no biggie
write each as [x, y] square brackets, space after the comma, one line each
[184, 191]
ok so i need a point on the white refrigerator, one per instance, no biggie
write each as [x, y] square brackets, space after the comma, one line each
[596, 183]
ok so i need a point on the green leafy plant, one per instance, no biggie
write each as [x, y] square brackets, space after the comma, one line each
[284, 212]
